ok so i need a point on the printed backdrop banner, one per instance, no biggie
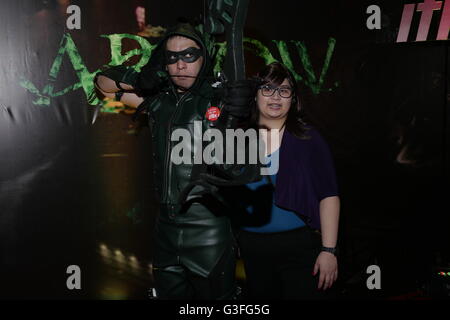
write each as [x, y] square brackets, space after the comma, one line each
[75, 170]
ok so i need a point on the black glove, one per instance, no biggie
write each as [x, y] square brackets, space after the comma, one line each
[152, 75]
[150, 81]
[238, 97]
[120, 74]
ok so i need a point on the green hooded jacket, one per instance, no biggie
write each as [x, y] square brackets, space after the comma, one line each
[170, 111]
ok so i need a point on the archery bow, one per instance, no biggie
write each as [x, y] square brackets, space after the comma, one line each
[229, 16]
[225, 16]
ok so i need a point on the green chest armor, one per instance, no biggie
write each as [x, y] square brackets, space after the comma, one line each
[170, 117]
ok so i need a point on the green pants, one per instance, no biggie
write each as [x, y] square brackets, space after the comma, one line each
[194, 255]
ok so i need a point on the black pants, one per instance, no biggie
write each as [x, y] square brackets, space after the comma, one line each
[194, 256]
[178, 282]
[280, 265]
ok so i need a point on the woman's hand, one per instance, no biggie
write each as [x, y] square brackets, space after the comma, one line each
[326, 263]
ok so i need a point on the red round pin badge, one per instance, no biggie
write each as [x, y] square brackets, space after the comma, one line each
[213, 113]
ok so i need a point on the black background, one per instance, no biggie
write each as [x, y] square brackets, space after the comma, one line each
[61, 197]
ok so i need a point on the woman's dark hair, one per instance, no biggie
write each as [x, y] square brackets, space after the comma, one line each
[274, 74]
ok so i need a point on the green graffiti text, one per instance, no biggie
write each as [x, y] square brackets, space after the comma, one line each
[67, 47]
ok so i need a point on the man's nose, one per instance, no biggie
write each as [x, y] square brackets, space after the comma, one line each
[181, 65]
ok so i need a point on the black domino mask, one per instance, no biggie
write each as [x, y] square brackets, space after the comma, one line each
[188, 55]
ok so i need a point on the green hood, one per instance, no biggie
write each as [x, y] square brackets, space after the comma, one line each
[157, 61]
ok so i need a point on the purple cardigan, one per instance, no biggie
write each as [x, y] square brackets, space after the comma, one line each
[306, 175]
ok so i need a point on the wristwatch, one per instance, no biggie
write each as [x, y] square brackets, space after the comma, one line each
[330, 250]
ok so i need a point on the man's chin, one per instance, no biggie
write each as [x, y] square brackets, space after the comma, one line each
[184, 84]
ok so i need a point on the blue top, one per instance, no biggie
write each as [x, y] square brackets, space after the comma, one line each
[277, 219]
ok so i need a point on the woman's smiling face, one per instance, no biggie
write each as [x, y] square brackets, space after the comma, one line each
[274, 107]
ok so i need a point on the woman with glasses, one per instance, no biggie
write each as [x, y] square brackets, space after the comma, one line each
[289, 233]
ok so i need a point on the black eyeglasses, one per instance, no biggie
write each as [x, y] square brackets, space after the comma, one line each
[284, 92]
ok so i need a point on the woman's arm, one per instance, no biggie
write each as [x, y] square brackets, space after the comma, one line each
[326, 262]
[329, 220]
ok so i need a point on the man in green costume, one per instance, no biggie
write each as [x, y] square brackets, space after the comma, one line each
[194, 246]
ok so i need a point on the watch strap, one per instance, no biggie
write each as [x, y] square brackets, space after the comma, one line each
[330, 250]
